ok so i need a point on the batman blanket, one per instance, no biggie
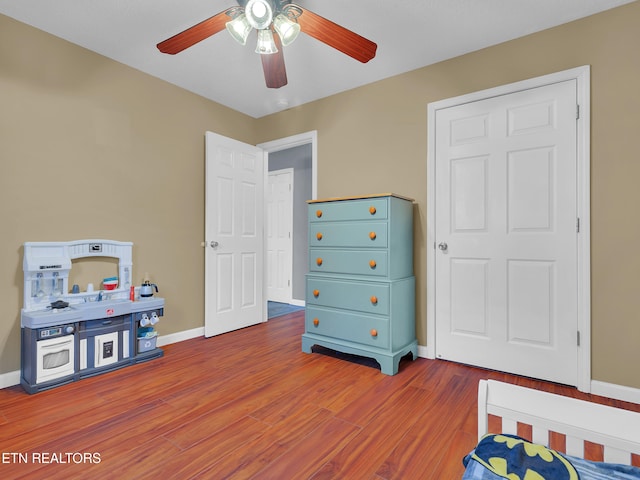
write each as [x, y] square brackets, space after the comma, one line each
[514, 458]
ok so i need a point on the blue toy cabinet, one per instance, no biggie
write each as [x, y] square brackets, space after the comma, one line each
[360, 289]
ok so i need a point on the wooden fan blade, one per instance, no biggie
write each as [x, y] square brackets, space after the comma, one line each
[275, 74]
[195, 34]
[335, 36]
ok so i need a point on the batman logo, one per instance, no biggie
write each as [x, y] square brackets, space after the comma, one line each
[514, 458]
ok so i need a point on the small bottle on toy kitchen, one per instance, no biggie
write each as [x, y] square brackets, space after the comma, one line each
[146, 289]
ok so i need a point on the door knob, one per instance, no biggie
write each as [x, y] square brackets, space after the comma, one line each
[214, 244]
[443, 246]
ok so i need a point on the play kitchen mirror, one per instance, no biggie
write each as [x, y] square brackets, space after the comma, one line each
[68, 334]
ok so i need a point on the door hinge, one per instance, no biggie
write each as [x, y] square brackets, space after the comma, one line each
[578, 225]
[578, 337]
[577, 112]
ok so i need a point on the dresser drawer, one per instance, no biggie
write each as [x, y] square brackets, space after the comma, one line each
[357, 234]
[349, 326]
[349, 262]
[365, 209]
[367, 297]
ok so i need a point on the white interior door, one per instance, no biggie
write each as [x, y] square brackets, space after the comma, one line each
[505, 217]
[234, 235]
[279, 235]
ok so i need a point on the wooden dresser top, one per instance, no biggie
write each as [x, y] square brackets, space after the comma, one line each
[359, 197]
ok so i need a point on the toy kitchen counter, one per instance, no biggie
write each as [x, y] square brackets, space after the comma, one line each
[68, 336]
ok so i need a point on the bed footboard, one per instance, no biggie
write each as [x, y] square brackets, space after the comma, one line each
[617, 430]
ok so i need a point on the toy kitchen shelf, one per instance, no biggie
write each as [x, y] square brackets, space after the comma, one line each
[91, 332]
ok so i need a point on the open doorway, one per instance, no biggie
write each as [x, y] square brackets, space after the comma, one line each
[298, 153]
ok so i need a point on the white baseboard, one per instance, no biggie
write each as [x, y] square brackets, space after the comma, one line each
[619, 392]
[9, 379]
[180, 336]
[297, 303]
[423, 351]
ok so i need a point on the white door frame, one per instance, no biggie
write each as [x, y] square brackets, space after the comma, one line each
[285, 143]
[295, 141]
[582, 77]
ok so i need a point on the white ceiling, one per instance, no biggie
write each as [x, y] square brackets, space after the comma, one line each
[410, 34]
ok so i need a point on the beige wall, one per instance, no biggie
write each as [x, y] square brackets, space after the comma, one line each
[373, 139]
[71, 116]
[90, 148]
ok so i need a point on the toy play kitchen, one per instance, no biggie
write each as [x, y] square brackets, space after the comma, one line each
[68, 334]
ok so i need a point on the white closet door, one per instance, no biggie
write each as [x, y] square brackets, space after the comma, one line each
[506, 264]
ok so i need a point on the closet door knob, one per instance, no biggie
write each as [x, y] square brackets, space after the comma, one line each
[318, 213]
[319, 236]
[316, 322]
[316, 293]
[318, 261]
[372, 263]
[372, 210]
[372, 235]
[374, 299]
[374, 332]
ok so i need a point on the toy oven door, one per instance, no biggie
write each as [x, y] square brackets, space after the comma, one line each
[55, 358]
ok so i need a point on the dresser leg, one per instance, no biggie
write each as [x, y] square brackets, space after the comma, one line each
[307, 344]
[391, 365]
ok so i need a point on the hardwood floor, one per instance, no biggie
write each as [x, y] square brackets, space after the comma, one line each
[249, 404]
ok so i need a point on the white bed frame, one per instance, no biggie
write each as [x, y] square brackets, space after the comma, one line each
[617, 430]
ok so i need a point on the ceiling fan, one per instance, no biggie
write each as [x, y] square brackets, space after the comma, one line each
[278, 23]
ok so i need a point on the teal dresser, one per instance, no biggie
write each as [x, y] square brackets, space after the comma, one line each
[360, 292]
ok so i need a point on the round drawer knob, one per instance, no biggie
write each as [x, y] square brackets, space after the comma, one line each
[374, 332]
[372, 235]
[372, 263]
[374, 299]
[372, 210]
[316, 293]
[318, 261]
[318, 213]
[316, 322]
[319, 236]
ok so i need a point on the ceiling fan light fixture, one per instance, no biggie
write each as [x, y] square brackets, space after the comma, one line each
[259, 13]
[286, 28]
[239, 28]
[266, 45]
